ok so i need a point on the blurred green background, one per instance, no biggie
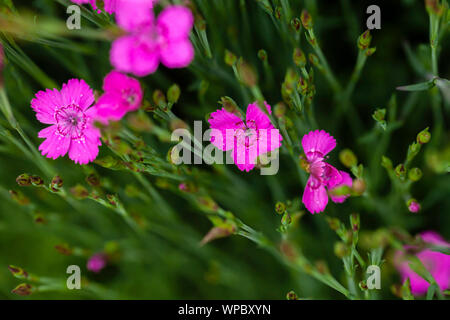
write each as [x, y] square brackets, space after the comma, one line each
[166, 261]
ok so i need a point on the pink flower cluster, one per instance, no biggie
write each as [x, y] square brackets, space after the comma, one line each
[71, 116]
[109, 5]
[148, 41]
[437, 263]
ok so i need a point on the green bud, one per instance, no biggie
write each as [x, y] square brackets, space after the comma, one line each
[36, 181]
[299, 58]
[415, 174]
[434, 7]
[400, 171]
[23, 180]
[79, 192]
[159, 98]
[359, 186]
[262, 54]
[355, 221]
[364, 40]
[173, 94]
[279, 110]
[379, 114]
[348, 158]
[302, 86]
[64, 249]
[314, 60]
[246, 73]
[386, 162]
[19, 197]
[93, 180]
[112, 199]
[18, 272]
[296, 24]
[230, 58]
[280, 207]
[363, 286]
[306, 19]
[178, 124]
[291, 295]
[341, 250]
[278, 12]
[23, 289]
[286, 219]
[370, 51]
[229, 104]
[424, 136]
[333, 223]
[265, 5]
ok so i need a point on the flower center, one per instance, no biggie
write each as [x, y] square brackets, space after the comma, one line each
[70, 121]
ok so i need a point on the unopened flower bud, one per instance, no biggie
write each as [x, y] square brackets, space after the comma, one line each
[302, 86]
[370, 51]
[19, 197]
[348, 158]
[413, 205]
[434, 7]
[64, 249]
[363, 285]
[415, 174]
[36, 181]
[291, 295]
[262, 55]
[400, 171]
[79, 192]
[23, 180]
[56, 183]
[246, 73]
[159, 98]
[379, 114]
[230, 58]
[341, 250]
[386, 162]
[364, 40]
[424, 136]
[23, 289]
[112, 199]
[178, 124]
[355, 221]
[314, 60]
[93, 180]
[229, 104]
[307, 20]
[299, 58]
[18, 272]
[296, 24]
[359, 186]
[322, 267]
[279, 110]
[173, 94]
[334, 223]
[286, 219]
[278, 12]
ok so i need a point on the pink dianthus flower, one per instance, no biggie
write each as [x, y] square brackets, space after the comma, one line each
[109, 5]
[247, 138]
[316, 145]
[149, 42]
[121, 95]
[437, 263]
[72, 130]
[97, 262]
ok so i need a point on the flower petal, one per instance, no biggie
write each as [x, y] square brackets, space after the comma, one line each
[175, 22]
[244, 157]
[45, 105]
[55, 144]
[78, 92]
[346, 180]
[133, 15]
[223, 125]
[256, 118]
[316, 144]
[132, 54]
[84, 150]
[177, 54]
[315, 196]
